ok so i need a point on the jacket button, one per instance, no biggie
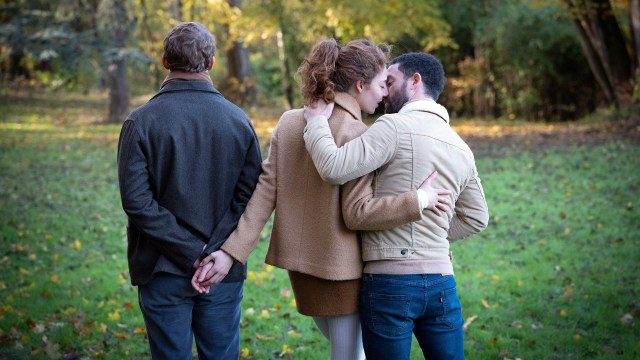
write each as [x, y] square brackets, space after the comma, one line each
[403, 252]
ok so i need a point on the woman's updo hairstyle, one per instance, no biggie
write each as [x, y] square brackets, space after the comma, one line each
[330, 68]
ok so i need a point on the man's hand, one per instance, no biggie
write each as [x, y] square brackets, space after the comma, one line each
[213, 270]
[202, 269]
[318, 107]
[438, 198]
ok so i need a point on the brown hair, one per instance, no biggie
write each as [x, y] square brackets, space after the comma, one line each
[330, 68]
[189, 47]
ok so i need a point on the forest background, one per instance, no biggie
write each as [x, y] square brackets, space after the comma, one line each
[539, 60]
[546, 92]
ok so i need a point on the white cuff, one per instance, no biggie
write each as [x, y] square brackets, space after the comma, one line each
[423, 199]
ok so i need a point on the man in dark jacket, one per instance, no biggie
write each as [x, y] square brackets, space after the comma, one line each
[188, 162]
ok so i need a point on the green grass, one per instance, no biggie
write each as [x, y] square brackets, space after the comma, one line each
[555, 276]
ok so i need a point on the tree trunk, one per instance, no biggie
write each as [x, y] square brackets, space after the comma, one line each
[239, 80]
[604, 47]
[595, 63]
[634, 14]
[287, 89]
[117, 68]
[175, 9]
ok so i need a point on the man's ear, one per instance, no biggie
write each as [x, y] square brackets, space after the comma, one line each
[211, 62]
[165, 63]
[416, 79]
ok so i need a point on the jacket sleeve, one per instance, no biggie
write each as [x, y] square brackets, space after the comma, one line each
[243, 192]
[471, 212]
[145, 213]
[362, 211]
[360, 156]
[244, 238]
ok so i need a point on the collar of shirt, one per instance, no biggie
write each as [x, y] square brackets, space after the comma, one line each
[426, 105]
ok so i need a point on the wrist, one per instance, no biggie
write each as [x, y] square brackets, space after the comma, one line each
[423, 199]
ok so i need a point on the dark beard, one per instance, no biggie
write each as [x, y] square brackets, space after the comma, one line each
[394, 104]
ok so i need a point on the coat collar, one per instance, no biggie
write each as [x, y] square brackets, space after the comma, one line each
[183, 75]
[349, 103]
[187, 85]
[429, 106]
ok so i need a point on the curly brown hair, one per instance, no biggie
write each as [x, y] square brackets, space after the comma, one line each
[330, 68]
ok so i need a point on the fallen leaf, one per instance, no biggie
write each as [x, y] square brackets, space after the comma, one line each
[468, 322]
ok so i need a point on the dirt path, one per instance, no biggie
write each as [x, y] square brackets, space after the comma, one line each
[499, 140]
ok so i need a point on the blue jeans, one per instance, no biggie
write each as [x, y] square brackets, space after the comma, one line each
[392, 307]
[174, 313]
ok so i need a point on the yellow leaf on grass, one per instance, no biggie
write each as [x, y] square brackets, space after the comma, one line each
[495, 277]
[485, 303]
[76, 245]
[568, 293]
[294, 334]
[468, 322]
[293, 303]
[563, 312]
[140, 330]
[244, 352]
[264, 337]
[102, 328]
[55, 278]
[286, 350]
[265, 314]
[121, 336]
[113, 316]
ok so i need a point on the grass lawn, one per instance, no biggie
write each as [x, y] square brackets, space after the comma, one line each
[555, 276]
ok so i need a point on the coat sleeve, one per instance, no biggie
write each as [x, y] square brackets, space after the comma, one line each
[144, 212]
[245, 237]
[362, 211]
[471, 211]
[360, 156]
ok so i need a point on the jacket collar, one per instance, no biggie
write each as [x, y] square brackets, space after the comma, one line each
[186, 85]
[349, 103]
[176, 75]
[426, 105]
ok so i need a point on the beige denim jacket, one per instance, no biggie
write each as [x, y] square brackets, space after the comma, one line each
[403, 149]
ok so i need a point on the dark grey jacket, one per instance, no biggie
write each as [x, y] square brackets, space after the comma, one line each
[188, 162]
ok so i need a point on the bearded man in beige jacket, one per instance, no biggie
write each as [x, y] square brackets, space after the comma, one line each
[408, 284]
